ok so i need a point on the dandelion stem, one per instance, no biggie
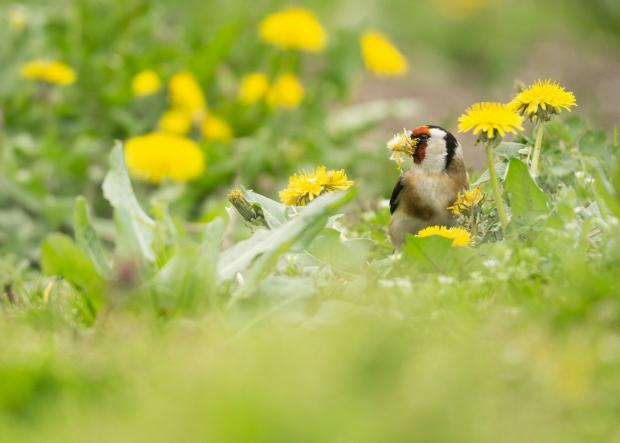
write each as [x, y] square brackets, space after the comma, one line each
[540, 129]
[474, 224]
[497, 194]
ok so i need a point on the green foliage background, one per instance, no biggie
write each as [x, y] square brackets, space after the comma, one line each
[141, 313]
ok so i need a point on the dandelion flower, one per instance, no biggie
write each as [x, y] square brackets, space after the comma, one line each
[216, 128]
[158, 156]
[253, 87]
[145, 83]
[543, 99]
[381, 57]
[459, 236]
[186, 94]
[466, 200]
[175, 121]
[48, 71]
[18, 20]
[286, 92]
[293, 28]
[491, 119]
[401, 145]
[305, 186]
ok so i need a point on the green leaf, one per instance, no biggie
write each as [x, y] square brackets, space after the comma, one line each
[87, 237]
[606, 191]
[188, 282]
[510, 149]
[593, 142]
[135, 227]
[526, 198]
[275, 242]
[60, 256]
[428, 253]
[500, 169]
[345, 255]
[274, 212]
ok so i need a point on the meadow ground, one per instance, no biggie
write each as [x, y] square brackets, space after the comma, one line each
[194, 215]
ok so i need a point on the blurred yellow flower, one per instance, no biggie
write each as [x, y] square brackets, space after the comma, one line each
[381, 57]
[158, 156]
[459, 236]
[175, 121]
[491, 119]
[145, 82]
[293, 28]
[253, 87]
[48, 71]
[543, 99]
[286, 92]
[305, 186]
[18, 20]
[466, 200]
[186, 94]
[216, 128]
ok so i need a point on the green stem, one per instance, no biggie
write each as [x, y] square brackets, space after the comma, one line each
[474, 224]
[540, 129]
[497, 193]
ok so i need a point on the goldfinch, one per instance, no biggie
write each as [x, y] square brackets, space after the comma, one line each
[422, 194]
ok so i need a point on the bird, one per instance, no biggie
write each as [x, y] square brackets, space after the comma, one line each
[422, 194]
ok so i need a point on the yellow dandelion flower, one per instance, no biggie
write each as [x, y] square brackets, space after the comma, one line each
[175, 121]
[459, 236]
[253, 87]
[18, 20]
[466, 200]
[293, 28]
[158, 156]
[286, 92]
[145, 82]
[491, 119]
[305, 186]
[381, 57]
[543, 99]
[48, 71]
[186, 94]
[216, 128]
[400, 146]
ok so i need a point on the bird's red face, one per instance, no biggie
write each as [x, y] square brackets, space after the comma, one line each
[419, 138]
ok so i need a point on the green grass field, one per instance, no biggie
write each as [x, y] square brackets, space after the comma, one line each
[168, 275]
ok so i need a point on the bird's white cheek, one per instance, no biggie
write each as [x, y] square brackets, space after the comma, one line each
[435, 158]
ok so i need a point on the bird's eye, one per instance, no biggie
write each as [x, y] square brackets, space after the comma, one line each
[424, 136]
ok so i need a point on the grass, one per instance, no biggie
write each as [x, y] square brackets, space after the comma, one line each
[148, 312]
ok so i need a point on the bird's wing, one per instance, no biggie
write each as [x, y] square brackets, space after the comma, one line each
[395, 198]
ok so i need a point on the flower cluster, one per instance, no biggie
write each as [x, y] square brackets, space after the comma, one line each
[186, 94]
[542, 100]
[490, 120]
[381, 57]
[158, 156]
[286, 91]
[299, 29]
[293, 28]
[253, 88]
[401, 145]
[49, 71]
[145, 83]
[305, 186]
[466, 201]
[460, 237]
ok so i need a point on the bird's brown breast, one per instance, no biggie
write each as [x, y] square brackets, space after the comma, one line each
[428, 195]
